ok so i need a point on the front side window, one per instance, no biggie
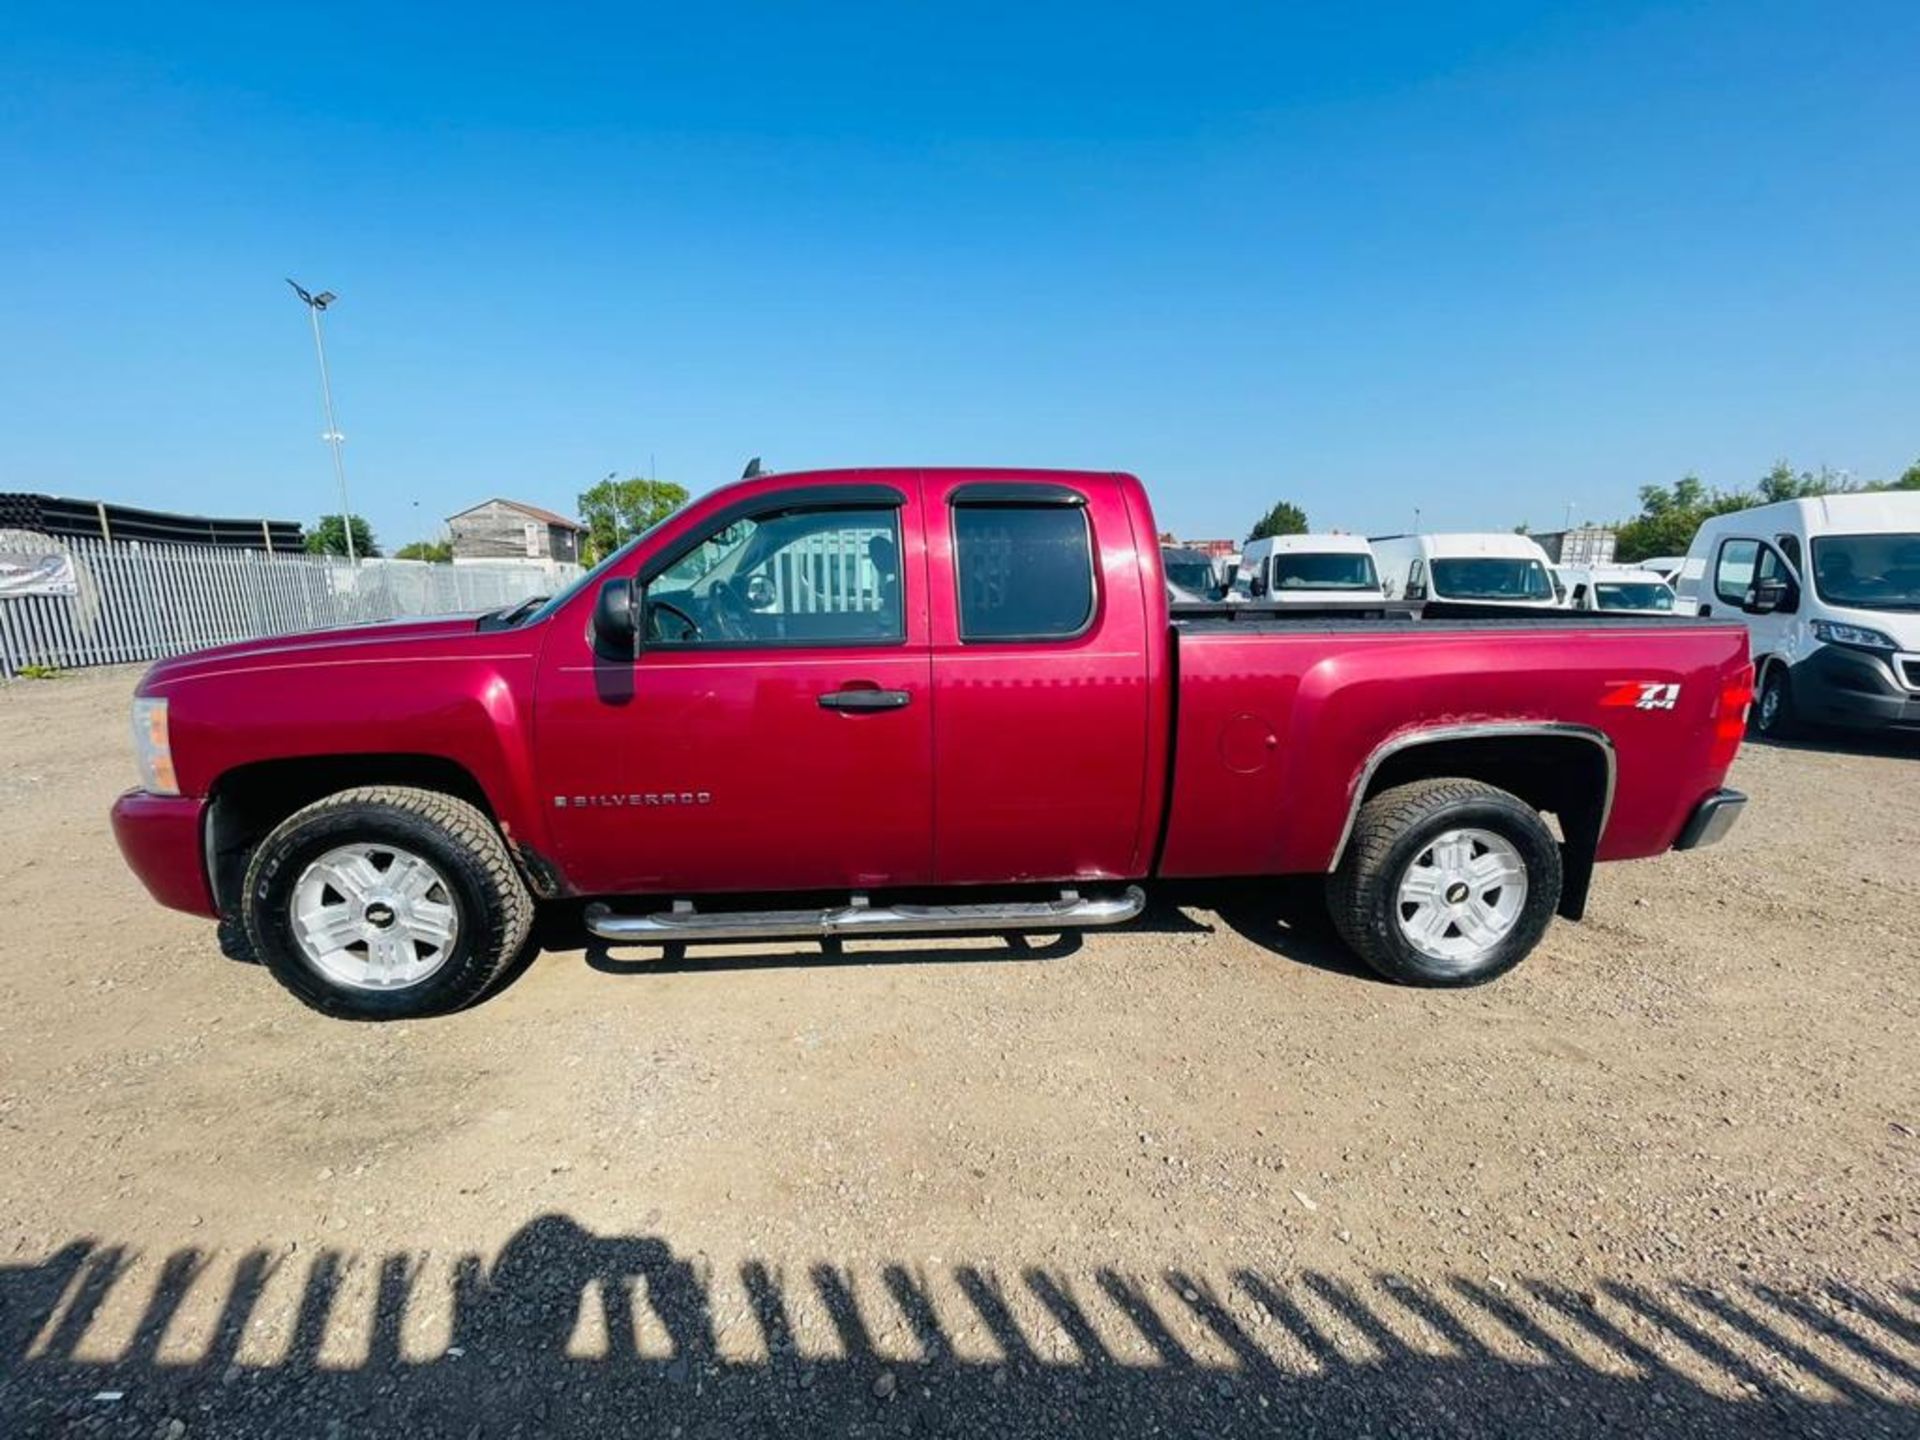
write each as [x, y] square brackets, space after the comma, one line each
[1733, 572]
[1023, 572]
[800, 577]
[1868, 572]
[1304, 570]
[1491, 577]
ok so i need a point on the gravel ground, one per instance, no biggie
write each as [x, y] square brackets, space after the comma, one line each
[1199, 1177]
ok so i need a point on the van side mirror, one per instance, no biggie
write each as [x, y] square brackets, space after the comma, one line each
[1769, 595]
[616, 619]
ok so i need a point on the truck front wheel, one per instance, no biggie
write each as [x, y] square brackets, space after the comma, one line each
[386, 903]
[1445, 882]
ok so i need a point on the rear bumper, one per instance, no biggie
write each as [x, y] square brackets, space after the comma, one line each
[1854, 689]
[160, 835]
[1712, 818]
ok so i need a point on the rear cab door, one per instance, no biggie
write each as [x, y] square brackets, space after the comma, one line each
[1048, 723]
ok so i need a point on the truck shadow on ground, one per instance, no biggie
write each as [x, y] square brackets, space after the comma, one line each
[1285, 917]
[327, 1344]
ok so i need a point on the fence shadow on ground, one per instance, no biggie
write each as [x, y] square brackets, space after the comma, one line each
[680, 1347]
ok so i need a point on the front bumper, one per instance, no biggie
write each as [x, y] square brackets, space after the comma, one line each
[1852, 688]
[1712, 818]
[161, 837]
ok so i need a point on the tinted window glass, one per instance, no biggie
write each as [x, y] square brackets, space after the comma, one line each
[1733, 574]
[1025, 572]
[821, 577]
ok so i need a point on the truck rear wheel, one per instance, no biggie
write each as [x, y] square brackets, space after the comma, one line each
[386, 903]
[1446, 882]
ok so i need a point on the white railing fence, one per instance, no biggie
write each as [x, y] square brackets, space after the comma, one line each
[137, 601]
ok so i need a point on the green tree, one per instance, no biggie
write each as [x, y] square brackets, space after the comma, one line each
[1910, 480]
[1285, 518]
[614, 511]
[329, 537]
[1669, 514]
[440, 552]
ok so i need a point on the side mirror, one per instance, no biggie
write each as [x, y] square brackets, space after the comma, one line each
[616, 619]
[1767, 596]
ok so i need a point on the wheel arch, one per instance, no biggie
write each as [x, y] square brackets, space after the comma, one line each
[248, 801]
[1558, 767]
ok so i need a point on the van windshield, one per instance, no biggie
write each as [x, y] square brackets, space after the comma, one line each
[1633, 595]
[1868, 572]
[1490, 577]
[1328, 570]
[1189, 572]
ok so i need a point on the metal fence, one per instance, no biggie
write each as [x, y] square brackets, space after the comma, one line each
[135, 601]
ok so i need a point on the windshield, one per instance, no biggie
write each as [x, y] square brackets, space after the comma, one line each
[1304, 570]
[1868, 572]
[1194, 575]
[1649, 595]
[1491, 577]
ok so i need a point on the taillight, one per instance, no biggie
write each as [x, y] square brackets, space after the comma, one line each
[1730, 715]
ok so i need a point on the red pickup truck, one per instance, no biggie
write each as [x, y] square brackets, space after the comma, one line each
[870, 702]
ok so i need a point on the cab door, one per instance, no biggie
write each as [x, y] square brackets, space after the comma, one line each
[775, 730]
[1041, 693]
[1737, 564]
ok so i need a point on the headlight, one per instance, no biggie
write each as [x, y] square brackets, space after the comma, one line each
[153, 747]
[1858, 637]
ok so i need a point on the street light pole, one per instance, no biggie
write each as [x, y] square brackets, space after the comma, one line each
[315, 304]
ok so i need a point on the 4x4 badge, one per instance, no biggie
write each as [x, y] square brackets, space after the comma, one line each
[1644, 695]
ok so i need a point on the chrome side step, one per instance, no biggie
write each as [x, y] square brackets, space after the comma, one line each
[684, 925]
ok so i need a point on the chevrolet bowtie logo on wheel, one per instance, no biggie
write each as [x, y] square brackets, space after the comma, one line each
[635, 800]
[1644, 695]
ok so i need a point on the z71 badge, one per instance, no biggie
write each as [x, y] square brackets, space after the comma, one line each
[1644, 695]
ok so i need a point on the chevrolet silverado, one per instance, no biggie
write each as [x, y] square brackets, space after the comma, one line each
[909, 701]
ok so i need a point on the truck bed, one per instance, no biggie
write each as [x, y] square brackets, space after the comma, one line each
[1281, 721]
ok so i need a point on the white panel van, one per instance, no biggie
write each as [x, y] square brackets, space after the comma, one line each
[1309, 570]
[1500, 569]
[1829, 589]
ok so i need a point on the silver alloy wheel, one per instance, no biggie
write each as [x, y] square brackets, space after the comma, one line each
[1461, 896]
[1769, 703]
[374, 917]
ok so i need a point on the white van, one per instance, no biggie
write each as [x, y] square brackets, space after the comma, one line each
[1492, 569]
[1617, 588]
[1309, 570]
[1829, 589]
[1667, 567]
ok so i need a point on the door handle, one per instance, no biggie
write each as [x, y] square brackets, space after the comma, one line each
[1706, 611]
[862, 701]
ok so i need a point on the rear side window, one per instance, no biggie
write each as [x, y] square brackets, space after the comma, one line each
[1024, 572]
[1733, 572]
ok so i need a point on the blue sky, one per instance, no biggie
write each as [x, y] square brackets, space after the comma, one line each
[1484, 258]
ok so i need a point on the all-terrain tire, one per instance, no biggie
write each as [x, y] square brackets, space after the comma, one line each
[494, 909]
[1396, 830]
